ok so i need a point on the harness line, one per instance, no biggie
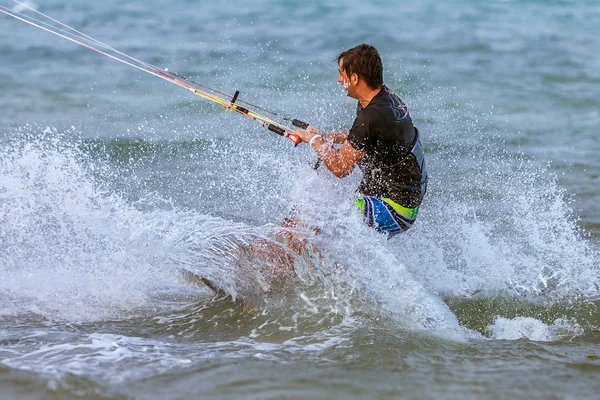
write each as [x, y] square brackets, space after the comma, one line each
[172, 77]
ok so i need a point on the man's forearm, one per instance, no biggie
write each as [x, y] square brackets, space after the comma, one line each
[336, 137]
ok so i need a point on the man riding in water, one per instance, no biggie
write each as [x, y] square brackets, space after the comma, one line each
[385, 145]
[382, 141]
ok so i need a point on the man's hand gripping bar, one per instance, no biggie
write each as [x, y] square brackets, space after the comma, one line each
[280, 131]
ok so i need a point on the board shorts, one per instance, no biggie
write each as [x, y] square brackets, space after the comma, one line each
[385, 215]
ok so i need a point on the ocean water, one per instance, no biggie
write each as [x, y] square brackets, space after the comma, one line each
[112, 181]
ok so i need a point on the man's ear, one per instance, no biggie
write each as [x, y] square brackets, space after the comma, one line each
[354, 78]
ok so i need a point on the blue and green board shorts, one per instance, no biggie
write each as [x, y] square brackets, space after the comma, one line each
[385, 215]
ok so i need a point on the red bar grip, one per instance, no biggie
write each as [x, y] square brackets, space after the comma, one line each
[280, 131]
[293, 137]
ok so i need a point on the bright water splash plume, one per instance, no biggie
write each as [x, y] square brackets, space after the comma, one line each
[66, 240]
[506, 229]
[366, 259]
[76, 249]
[71, 239]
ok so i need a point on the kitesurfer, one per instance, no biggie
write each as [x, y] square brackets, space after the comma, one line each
[382, 141]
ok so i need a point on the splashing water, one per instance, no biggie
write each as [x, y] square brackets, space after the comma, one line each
[533, 329]
[76, 249]
[70, 247]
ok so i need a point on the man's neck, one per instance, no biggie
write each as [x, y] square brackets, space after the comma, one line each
[365, 96]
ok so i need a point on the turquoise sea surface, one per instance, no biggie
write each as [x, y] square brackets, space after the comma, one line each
[112, 181]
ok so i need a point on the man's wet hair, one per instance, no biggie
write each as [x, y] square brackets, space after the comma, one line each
[364, 61]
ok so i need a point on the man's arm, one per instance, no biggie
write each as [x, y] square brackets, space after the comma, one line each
[340, 162]
[334, 137]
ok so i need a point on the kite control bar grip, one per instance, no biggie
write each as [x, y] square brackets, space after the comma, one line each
[299, 124]
[282, 132]
[294, 138]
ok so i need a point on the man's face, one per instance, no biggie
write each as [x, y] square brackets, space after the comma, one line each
[344, 80]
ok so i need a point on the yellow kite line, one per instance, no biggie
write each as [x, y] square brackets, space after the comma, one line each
[79, 38]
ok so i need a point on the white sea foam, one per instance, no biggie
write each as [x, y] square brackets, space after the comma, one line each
[534, 329]
[104, 356]
[109, 357]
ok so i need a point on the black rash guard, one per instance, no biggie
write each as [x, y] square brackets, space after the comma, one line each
[393, 165]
